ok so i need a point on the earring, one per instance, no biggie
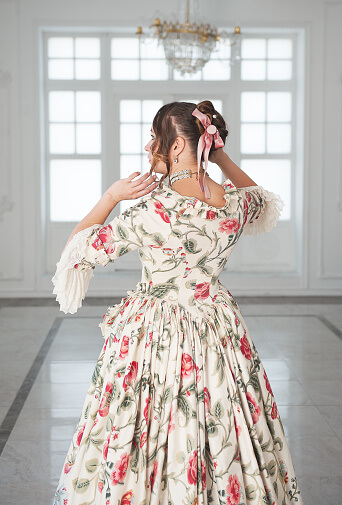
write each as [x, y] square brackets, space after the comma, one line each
[176, 159]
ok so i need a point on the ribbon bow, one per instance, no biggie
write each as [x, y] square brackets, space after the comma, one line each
[204, 144]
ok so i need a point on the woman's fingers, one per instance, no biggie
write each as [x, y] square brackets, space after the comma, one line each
[146, 190]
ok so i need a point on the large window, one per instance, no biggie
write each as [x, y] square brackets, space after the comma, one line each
[101, 92]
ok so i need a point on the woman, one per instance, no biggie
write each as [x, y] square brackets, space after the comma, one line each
[180, 409]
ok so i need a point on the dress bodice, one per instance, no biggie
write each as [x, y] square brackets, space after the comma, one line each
[183, 244]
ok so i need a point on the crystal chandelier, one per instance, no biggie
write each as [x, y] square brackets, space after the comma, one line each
[187, 44]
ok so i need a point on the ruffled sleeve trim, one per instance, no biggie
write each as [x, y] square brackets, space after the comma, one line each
[71, 283]
[270, 212]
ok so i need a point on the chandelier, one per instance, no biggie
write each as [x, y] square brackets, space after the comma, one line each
[187, 44]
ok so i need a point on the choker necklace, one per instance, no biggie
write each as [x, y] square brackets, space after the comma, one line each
[183, 174]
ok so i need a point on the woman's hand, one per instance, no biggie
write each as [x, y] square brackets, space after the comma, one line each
[127, 189]
[218, 156]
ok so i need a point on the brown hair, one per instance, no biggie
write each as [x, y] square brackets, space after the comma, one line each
[174, 119]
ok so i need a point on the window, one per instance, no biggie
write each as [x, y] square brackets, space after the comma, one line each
[102, 90]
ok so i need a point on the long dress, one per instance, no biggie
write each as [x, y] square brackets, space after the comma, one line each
[179, 410]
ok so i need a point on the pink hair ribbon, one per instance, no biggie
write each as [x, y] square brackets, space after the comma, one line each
[204, 144]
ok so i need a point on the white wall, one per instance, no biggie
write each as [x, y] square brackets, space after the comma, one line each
[21, 259]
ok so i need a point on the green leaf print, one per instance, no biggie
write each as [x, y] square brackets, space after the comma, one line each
[123, 249]
[91, 465]
[190, 246]
[161, 290]
[167, 395]
[189, 443]
[271, 467]
[218, 410]
[158, 239]
[122, 232]
[250, 492]
[278, 440]
[211, 428]
[82, 486]
[180, 457]
[184, 406]
[126, 403]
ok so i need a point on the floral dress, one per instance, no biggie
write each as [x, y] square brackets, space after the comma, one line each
[179, 410]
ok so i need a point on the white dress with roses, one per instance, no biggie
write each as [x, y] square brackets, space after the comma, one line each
[179, 410]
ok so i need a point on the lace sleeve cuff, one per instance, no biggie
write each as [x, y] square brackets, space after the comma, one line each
[71, 280]
[272, 205]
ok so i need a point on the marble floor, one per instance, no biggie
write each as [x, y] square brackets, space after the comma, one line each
[47, 359]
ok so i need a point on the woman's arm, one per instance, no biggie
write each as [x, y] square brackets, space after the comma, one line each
[230, 170]
[124, 189]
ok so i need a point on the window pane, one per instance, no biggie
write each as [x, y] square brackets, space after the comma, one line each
[279, 70]
[253, 70]
[217, 105]
[279, 49]
[88, 106]
[61, 69]
[61, 106]
[154, 70]
[252, 138]
[130, 111]
[253, 48]
[253, 106]
[146, 135]
[130, 138]
[222, 50]
[87, 47]
[214, 172]
[273, 175]
[129, 163]
[150, 109]
[279, 106]
[216, 71]
[88, 138]
[150, 49]
[62, 138]
[87, 69]
[60, 47]
[278, 138]
[75, 187]
[125, 48]
[125, 70]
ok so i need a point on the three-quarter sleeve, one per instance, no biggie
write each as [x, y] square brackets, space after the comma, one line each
[261, 209]
[97, 245]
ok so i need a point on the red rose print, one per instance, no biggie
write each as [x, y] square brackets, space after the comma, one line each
[154, 474]
[192, 468]
[100, 486]
[131, 375]
[143, 439]
[106, 236]
[124, 347]
[120, 469]
[202, 291]
[127, 498]
[67, 467]
[187, 365]
[245, 349]
[97, 244]
[254, 407]
[80, 435]
[105, 448]
[233, 490]
[268, 386]
[159, 211]
[274, 411]
[207, 399]
[171, 424]
[211, 214]
[237, 428]
[229, 225]
[105, 402]
[148, 401]
[204, 475]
